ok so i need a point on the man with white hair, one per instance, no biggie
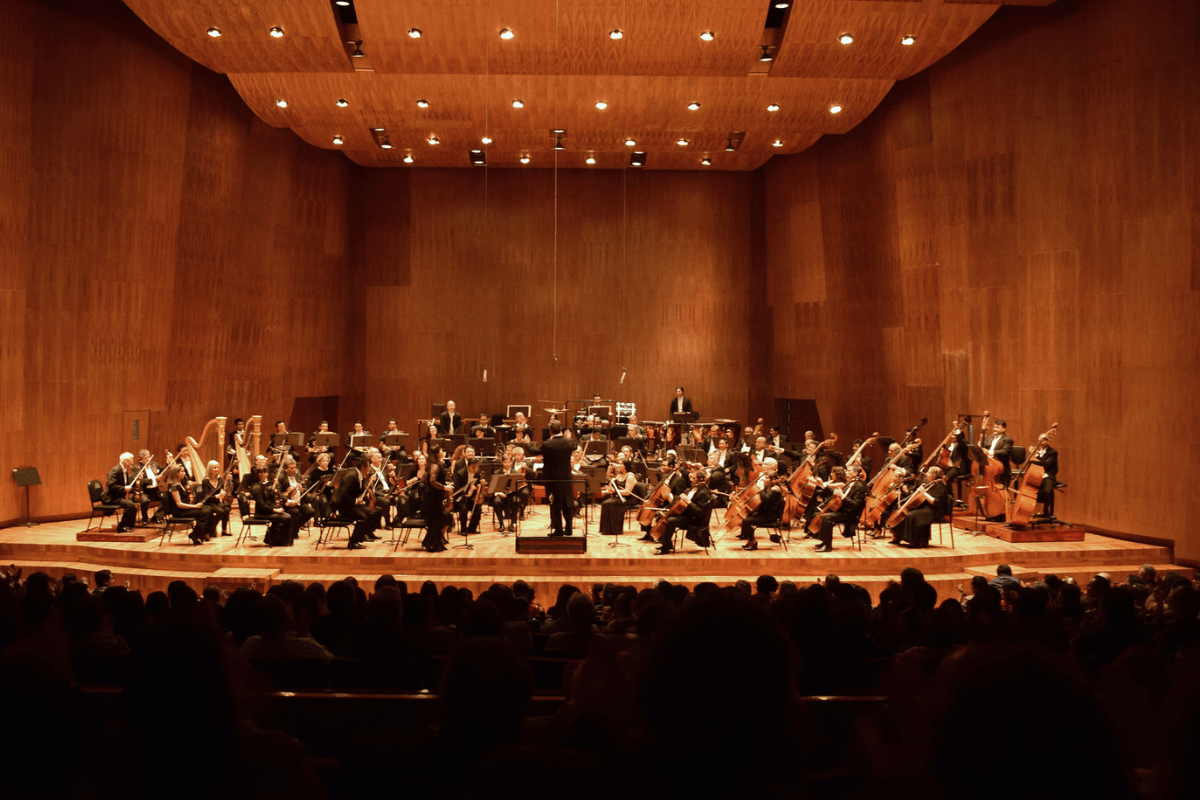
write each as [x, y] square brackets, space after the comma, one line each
[769, 510]
[116, 491]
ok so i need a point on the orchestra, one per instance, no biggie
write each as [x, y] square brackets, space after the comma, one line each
[674, 471]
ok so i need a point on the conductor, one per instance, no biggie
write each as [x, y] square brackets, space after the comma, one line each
[556, 472]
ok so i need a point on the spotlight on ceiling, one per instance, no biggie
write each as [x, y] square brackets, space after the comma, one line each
[433, 139]
[615, 33]
[590, 160]
[708, 36]
[637, 159]
[706, 161]
[601, 105]
[408, 159]
[524, 159]
[777, 143]
[845, 38]
[558, 145]
[385, 144]
[276, 32]
[506, 34]
[422, 104]
[342, 102]
[766, 53]
[281, 103]
[908, 40]
[835, 109]
[693, 106]
[682, 142]
[630, 142]
[338, 140]
[478, 159]
[729, 148]
[486, 140]
[773, 107]
[414, 33]
[214, 32]
[342, 3]
[518, 104]
[782, 4]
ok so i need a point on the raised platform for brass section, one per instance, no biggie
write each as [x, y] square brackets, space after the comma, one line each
[54, 548]
[1059, 532]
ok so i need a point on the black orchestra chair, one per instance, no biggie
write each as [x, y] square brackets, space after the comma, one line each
[171, 524]
[99, 507]
[704, 525]
[781, 530]
[408, 526]
[249, 521]
[329, 526]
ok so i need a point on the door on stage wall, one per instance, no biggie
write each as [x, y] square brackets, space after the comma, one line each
[135, 431]
[794, 417]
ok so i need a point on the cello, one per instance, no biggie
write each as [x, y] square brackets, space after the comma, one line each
[991, 496]
[1023, 497]
[885, 489]
[915, 499]
[803, 480]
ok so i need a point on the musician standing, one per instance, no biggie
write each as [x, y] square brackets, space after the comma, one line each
[116, 492]
[680, 404]
[556, 472]
[854, 497]
[450, 420]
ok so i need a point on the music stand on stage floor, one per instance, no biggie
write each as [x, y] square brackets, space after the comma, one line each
[27, 476]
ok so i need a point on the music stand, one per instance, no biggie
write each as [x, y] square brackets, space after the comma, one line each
[361, 441]
[597, 448]
[296, 440]
[975, 453]
[603, 412]
[685, 416]
[27, 476]
[527, 410]
[395, 441]
[329, 440]
[483, 447]
[444, 444]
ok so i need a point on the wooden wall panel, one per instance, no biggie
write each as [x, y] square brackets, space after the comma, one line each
[651, 273]
[160, 249]
[1014, 229]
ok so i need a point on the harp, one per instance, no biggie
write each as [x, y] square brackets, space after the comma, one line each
[246, 446]
[209, 448]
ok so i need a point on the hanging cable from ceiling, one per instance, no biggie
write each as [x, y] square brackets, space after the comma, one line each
[554, 325]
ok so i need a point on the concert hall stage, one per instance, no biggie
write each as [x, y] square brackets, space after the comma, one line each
[146, 565]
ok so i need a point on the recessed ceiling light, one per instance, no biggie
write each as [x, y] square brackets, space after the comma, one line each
[782, 4]
[777, 143]
[524, 159]
[518, 104]
[835, 109]
[615, 33]
[214, 32]
[845, 38]
[729, 148]
[386, 145]
[706, 162]
[766, 53]
[358, 53]
[682, 142]
[637, 163]
[630, 142]
[408, 159]
[276, 33]
[422, 104]
[486, 140]
[434, 140]
[693, 106]
[506, 34]
[907, 40]
[589, 160]
[377, 130]
[601, 105]
[414, 33]
[708, 36]
[342, 102]
[338, 140]
[281, 103]
[342, 2]
[773, 107]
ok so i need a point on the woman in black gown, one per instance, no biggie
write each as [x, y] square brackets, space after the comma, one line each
[179, 506]
[620, 498]
[917, 526]
[432, 509]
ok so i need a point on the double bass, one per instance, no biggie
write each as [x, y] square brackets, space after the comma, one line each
[1023, 496]
[803, 481]
[989, 492]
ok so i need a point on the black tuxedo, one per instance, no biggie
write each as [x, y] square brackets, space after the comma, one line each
[693, 516]
[449, 423]
[346, 505]
[1002, 452]
[676, 402]
[115, 494]
[1048, 462]
[766, 515]
[853, 501]
[556, 472]
[484, 431]
[465, 487]
[350, 437]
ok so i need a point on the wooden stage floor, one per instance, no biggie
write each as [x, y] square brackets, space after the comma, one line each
[148, 566]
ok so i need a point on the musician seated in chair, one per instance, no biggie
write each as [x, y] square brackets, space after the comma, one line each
[854, 497]
[210, 493]
[933, 508]
[468, 496]
[770, 507]
[483, 429]
[692, 517]
[150, 493]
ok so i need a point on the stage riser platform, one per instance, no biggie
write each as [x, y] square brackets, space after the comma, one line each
[149, 567]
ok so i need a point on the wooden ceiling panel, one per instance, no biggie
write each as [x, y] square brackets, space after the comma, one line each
[310, 43]
[559, 64]
[811, 45]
